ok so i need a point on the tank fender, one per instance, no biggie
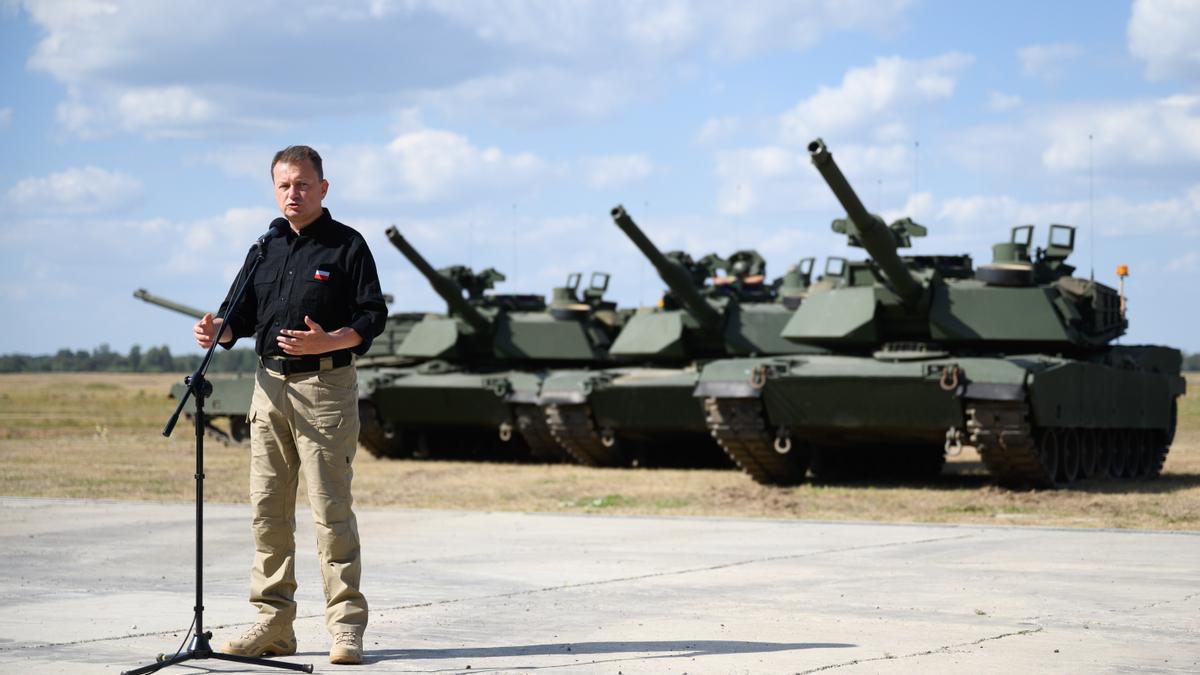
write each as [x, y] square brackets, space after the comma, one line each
[656, 334]
[849, 314]
[571, 388]
[516, 386]
[993, 380]
[738, 378]
[431, 339]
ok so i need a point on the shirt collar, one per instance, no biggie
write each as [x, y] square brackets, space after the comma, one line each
[315, 228]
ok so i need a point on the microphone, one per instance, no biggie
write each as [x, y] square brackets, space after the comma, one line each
[278, 227]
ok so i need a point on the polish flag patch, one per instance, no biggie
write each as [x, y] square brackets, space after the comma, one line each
[321, 275]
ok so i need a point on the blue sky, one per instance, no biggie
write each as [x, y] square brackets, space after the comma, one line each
[137, 138]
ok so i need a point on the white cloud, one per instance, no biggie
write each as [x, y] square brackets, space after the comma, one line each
[718, 129]
[196, 245]
[1048, 62]
[668, 27]
[6, 115]
[780, 179]
[78, 191]
[1001, 102]
[151, 109]
[1188, 262]
[426, 165]
[1140, 133]
[665, 27]
[873, 95]
[518, 61]
[1149, 134]
[615, 170]
[242, 161]
[750, 176]
[154, 112]
[537, 94]
[1163, 34]
[1114, 216]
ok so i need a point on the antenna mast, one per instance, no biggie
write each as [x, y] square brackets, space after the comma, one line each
[916, 172]
[1091, 212]
[515, 267]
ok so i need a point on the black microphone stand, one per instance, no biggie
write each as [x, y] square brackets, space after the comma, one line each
[200, 388]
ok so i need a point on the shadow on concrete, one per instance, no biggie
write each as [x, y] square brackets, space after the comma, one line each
[968, 476]
[675, 648]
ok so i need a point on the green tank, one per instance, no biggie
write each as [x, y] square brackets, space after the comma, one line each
[644, 411]
[230, 399]
[1016, 358]
[382, 362]
[231, 394]
[476, 392]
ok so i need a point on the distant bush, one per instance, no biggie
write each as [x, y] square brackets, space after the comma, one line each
[1191, 362]
[104, 360]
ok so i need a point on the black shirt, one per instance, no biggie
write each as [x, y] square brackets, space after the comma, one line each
[326, 272]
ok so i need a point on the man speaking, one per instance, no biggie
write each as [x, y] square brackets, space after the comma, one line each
[314, 303]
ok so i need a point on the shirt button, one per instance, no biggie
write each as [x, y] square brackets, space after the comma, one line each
[291, 272]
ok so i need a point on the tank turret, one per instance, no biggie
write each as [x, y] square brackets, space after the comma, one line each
[791, 288]
[868, 230]
[447, 285]
[704, 314]
[678, 278]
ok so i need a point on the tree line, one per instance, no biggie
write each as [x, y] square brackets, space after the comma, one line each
[104, 360]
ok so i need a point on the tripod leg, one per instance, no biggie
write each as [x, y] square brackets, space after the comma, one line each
[200, 650]
[155, 667]
[302, 667]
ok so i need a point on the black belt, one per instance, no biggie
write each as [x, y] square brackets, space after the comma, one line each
[306, 364]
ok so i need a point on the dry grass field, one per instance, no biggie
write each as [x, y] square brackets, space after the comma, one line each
[97, 436]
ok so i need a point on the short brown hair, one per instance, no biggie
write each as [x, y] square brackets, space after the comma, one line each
[297, 153]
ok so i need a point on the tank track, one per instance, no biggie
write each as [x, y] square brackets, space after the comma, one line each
[535, 430]
[740, 429]
[572, 426]
[1017, 454]
[213, 432]
[1001, 432]
[373, 436]
[239, 428]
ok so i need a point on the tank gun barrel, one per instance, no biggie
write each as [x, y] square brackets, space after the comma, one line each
[676, 278]
[446, 287]
[872, 232]
[143, 294]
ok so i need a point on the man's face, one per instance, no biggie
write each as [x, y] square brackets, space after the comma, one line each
[299, 192]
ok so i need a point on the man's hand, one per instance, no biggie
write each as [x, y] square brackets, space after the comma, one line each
[316, 340]
[206, 330]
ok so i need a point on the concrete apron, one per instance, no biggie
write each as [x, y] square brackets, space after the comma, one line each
[100, 587]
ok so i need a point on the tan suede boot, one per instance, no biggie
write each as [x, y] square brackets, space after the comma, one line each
[263, 640]
[346, 650]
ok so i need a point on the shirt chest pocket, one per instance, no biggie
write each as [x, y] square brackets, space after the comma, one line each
[265, 283]
[320, 283]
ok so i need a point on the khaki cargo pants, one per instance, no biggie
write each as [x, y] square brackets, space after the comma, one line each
[308, 421]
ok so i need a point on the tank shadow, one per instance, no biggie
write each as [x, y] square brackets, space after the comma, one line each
[668, 649]
[1167, 483]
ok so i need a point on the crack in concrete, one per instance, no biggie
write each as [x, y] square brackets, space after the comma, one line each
[940, 650]
[1160, 603]
[531, 591]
